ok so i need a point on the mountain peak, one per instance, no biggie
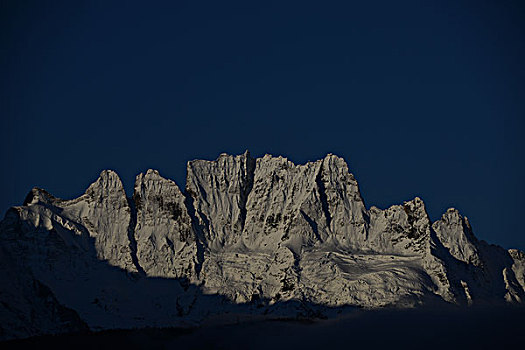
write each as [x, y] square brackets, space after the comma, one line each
[257, 234]
[151, 174]
[37, 195]
[109, 175]
[108, 180]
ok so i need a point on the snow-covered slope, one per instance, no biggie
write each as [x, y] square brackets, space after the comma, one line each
[247, 236]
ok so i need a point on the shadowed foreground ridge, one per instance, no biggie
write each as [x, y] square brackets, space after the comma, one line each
[249, 238]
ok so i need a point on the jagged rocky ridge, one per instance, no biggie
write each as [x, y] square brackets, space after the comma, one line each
[247, 236]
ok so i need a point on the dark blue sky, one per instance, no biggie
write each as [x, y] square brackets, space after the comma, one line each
[421, 98]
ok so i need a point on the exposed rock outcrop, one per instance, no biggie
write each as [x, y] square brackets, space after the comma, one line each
[264, 233]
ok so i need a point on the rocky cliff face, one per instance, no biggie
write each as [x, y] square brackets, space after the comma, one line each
[162, 229]
[247, 235]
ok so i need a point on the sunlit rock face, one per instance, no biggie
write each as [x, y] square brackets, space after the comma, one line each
[165, 242]
[256, 236]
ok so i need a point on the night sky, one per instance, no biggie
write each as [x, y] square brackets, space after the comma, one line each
[422, 98]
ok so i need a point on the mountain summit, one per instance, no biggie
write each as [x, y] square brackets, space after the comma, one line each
[247, 236]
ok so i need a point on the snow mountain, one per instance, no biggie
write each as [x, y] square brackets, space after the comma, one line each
[261, 237]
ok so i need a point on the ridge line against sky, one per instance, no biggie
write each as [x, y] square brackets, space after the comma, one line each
[420, 98]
